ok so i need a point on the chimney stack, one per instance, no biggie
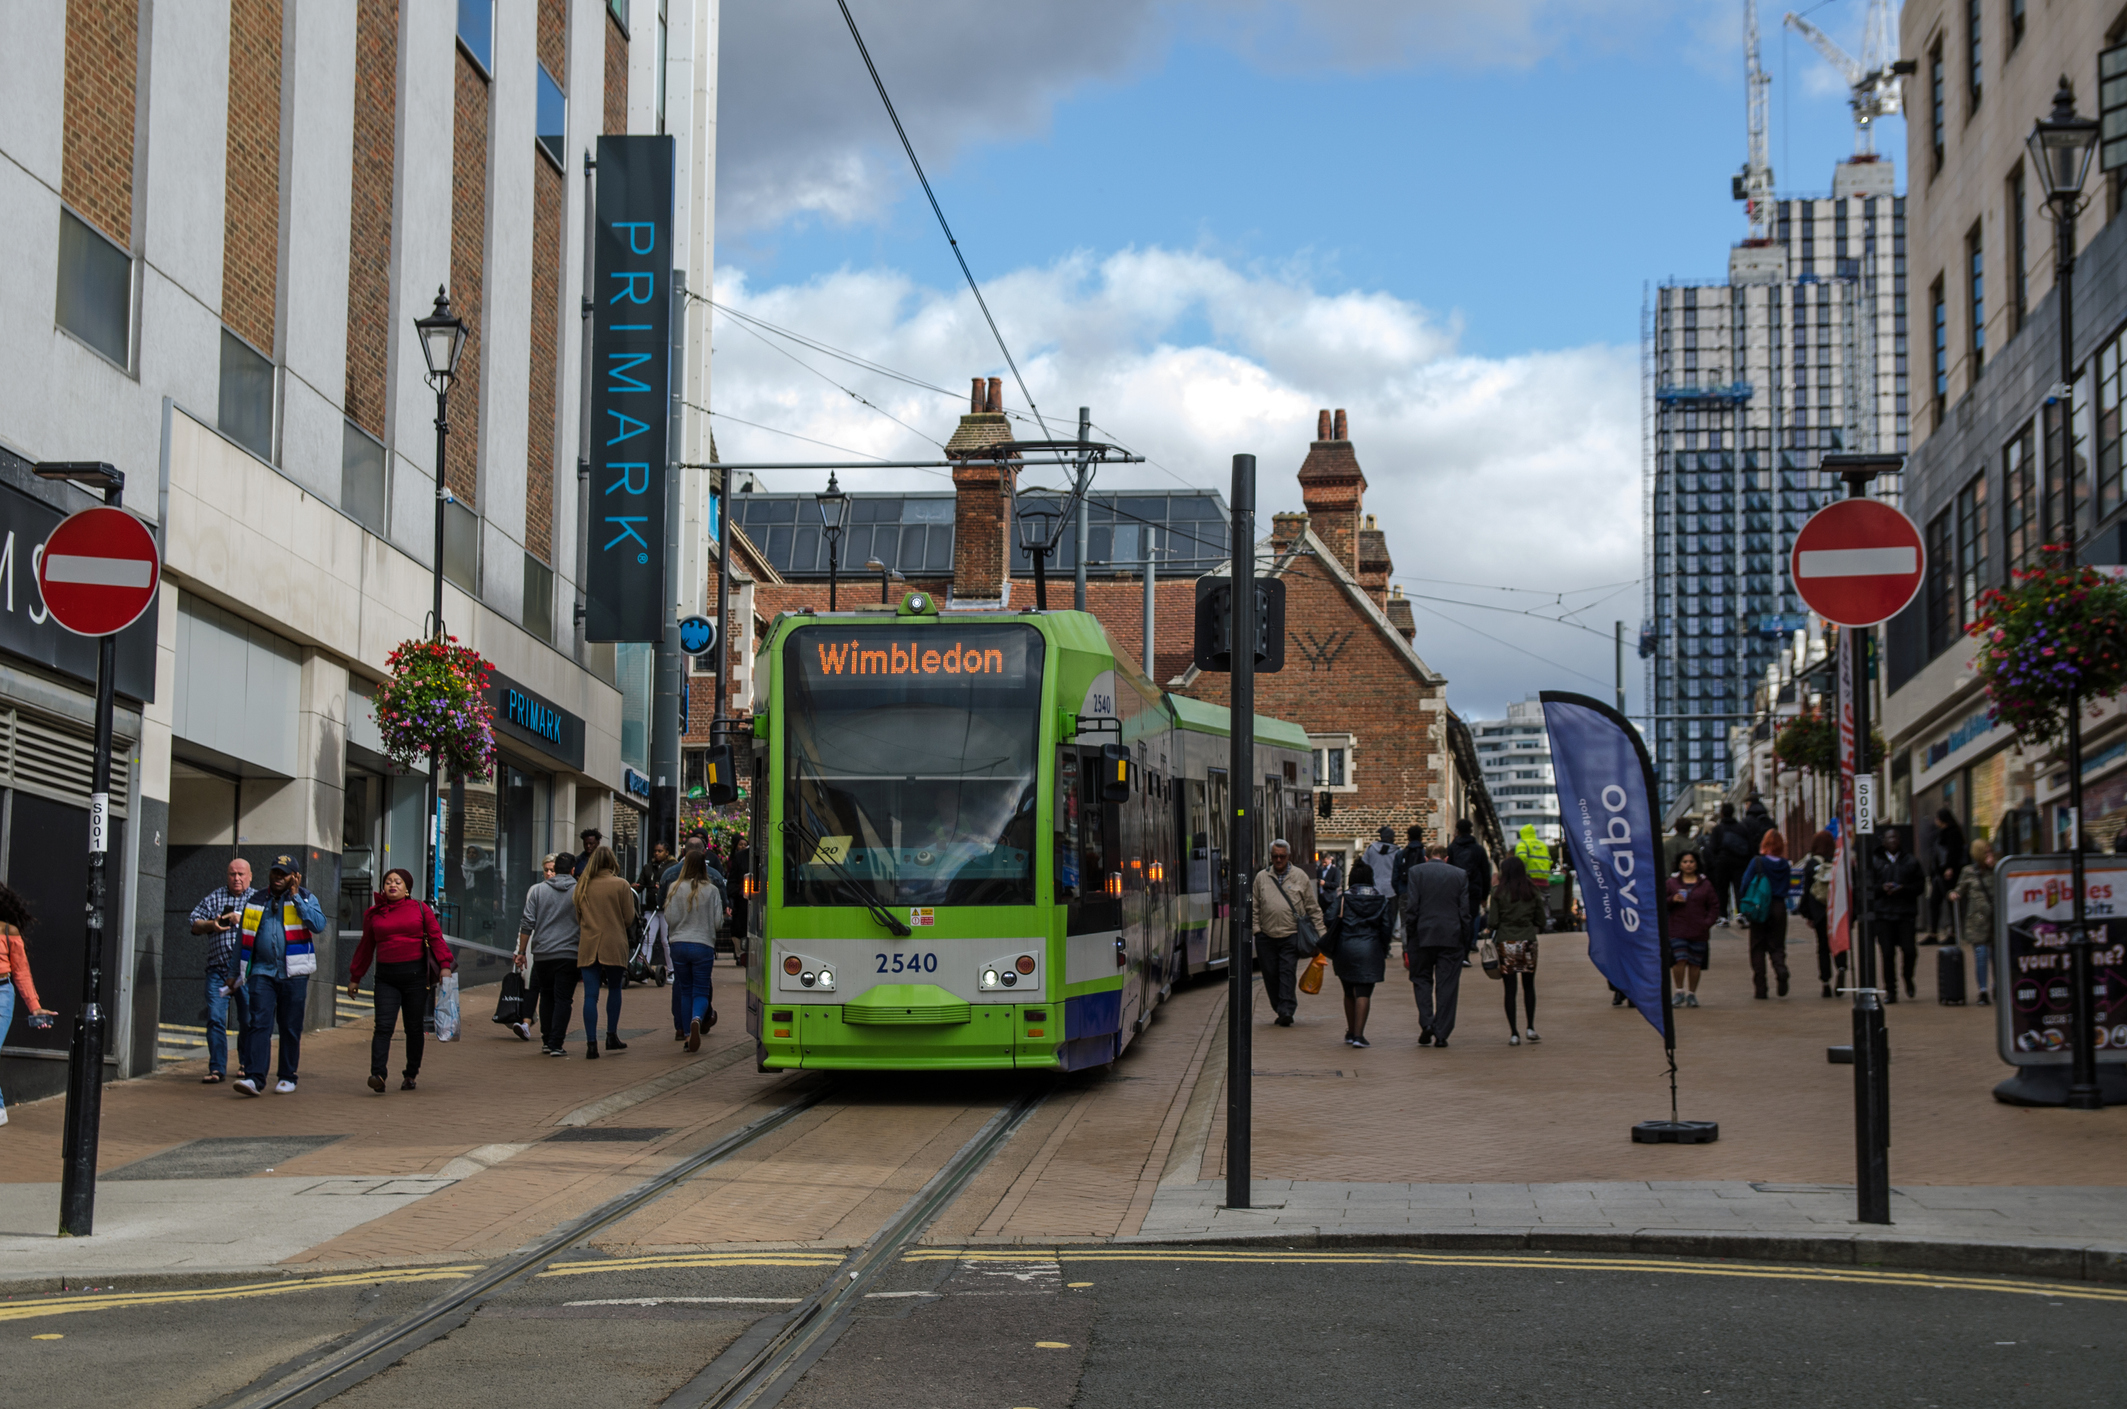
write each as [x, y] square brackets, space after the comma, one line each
[1321, 425]
[1333, 488]
[996, 395]
[1339, 433]
[982, 512]
[974, 400]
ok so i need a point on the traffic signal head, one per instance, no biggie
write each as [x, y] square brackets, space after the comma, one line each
[1214, 624]
[723, 785]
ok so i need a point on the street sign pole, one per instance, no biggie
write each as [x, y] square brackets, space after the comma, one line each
[84, 1074]
[1240, 845]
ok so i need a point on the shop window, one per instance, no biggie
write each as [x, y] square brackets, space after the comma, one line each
[362, 477]
[95, 289]
[245, 413]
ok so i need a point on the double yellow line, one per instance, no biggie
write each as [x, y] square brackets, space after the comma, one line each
[105, 1301]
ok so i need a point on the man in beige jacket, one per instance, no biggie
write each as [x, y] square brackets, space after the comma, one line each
[1282, 894]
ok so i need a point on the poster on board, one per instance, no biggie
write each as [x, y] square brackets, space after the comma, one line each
[2034, 996]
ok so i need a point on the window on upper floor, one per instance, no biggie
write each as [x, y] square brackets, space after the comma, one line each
[2016, 24]
[552, 132]
[1975, 262]
[2019, 483]
[245, 409]
[2111, 487]
[363, 465]
[1937, 97]
[538, 599]
[1941, 351]
[95, 289]
[1333, 759]
[1975, 52]
[461, 546]
[2019, 253]
[476, 32]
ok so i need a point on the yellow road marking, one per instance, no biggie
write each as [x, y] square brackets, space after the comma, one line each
[708, 1259]
[49, 1336]
[64, 1305]
[1753, 1271]
[1052, 1345]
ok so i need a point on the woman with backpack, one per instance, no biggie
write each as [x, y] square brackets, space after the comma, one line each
[693, 907]
[1360, 919]
[1514, 916]
[1761, 899]
[1816, 906]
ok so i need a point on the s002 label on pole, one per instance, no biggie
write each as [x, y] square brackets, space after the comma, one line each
[1865, 804]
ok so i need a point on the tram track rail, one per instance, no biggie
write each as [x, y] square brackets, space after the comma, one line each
[763, 1365]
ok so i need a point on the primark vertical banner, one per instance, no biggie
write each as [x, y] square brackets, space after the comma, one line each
[631, 379]
[1606, 809]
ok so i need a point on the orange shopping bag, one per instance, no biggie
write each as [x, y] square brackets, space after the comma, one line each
[1311, 981]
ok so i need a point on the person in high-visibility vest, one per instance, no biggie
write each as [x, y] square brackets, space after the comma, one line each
[1535, 854]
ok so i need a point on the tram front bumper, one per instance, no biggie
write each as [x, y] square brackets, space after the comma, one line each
[988, 1037]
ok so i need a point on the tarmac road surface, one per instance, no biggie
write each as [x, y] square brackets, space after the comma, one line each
[1114, 1326]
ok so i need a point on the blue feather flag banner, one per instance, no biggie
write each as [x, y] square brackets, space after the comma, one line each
[1606, 808]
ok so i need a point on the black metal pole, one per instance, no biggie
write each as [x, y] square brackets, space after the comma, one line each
[434, 882]
[84, 1075]
[834, 565]
[1872, 1080]
[1041, 581]
[719, 723]
[2083, 1093]
[1240, 845]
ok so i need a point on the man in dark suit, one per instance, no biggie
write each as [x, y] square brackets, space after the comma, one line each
[1899, 884]
[1435, 937]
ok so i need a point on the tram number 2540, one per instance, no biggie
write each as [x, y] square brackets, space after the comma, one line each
[907, 963]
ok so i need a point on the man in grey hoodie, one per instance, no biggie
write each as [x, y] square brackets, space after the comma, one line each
[550, 932]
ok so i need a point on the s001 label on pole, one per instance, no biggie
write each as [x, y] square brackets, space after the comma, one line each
[1865, 804]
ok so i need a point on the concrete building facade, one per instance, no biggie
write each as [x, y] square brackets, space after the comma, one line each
[1514, 755]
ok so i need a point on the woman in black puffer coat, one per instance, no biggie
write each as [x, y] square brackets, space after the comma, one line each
[1358, 935]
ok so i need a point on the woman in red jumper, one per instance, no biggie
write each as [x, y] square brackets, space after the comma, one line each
[401, 933]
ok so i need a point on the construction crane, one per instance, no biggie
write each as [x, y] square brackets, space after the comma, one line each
[1754, 184]
[1872, 81]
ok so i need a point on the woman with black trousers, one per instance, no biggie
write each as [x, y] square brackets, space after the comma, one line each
[1768, 932]
[402, 935]
[1359, 922]
[1514, 915]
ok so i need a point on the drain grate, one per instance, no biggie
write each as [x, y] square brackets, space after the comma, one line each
[620, 1133]
[223, 1157]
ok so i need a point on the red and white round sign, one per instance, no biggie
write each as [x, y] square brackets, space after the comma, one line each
[1857, 562]
[98, 571]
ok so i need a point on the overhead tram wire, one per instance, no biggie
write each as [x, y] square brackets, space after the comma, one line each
[939, 211]
[852, 395]
[1497, 641]
[773, 430]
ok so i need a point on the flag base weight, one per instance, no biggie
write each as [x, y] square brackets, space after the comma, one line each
[2048, 1086]
[1676, 1132]
[1840, 1056]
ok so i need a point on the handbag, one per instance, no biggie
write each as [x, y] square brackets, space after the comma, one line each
[1488, 956]
[1305, 938]
[1311, 980]
[510, 1004]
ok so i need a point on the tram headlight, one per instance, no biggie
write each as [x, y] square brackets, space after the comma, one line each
[806, 978]
[989, 978]
[1008, 978]
[827, 978]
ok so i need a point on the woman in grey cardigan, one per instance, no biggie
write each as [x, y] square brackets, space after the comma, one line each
[694, 905]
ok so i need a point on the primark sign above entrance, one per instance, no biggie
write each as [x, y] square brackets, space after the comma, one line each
[536, 720]
[28, 631]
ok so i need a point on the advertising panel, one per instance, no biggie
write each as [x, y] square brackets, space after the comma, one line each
[2034, 998]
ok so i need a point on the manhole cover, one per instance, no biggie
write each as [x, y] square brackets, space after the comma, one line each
[621, 1133]
[223, 1157]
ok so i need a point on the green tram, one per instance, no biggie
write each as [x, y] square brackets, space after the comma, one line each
[984, 840]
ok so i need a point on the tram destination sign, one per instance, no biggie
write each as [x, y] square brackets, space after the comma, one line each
[2034, 998]
[863, 657]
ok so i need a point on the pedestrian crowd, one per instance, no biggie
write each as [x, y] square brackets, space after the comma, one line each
[584, 924]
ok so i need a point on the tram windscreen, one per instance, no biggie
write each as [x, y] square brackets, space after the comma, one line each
[910, 771]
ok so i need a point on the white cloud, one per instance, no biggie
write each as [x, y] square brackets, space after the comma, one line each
[1518, 471]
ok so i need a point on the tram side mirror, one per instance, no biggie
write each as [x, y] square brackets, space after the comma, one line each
[1114, 773]
[723, 787]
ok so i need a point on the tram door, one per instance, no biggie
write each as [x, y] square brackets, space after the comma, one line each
[1195, 851]
[1220, 944]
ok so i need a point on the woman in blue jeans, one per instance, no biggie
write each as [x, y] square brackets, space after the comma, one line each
[694, 907]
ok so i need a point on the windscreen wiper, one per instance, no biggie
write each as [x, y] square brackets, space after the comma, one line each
[846, 881]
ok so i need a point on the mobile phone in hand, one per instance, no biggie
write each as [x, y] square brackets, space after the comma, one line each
[40, 1020]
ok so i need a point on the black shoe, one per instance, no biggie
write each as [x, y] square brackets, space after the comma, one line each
[1425, 1037]
[1617, 1000]
[1986, 1000]
[376, 1082]
[1359, 1042]
[590, 1050]
[1783, 988]
[1285, 1020]
[1760, 995]
[1909, 991]
[1440, 1042]
[1827, 990]
[614, 1044]
[1890, 995]
[406, 1083]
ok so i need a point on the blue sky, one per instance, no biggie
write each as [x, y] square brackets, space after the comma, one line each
[1206, 220]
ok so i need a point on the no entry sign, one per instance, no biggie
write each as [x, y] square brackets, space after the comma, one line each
[1857, 562]
[98, 571]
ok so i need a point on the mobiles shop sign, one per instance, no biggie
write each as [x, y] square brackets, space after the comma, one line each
[2035, 984]
[631, 382]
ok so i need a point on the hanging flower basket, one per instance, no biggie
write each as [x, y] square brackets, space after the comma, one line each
[1810, 743]
[2056, 636]
[434, 700]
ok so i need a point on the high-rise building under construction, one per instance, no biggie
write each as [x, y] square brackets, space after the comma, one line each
[1748, 382]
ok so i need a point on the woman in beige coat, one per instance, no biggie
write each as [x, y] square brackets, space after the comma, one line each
[605, 908]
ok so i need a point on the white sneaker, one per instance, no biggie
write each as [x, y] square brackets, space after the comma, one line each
[243, 1086]
[1533, 1037]
[1676, 999]
[285, 1087]
[1691, 1000]
[3, 1115]
[1513, 1039]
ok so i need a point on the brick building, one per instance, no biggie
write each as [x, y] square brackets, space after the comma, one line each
[1388, 750]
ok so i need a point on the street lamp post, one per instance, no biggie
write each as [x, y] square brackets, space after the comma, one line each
[1037, 536]
[887, 577]
[834, 515]
[2061, 146]
[442, 336]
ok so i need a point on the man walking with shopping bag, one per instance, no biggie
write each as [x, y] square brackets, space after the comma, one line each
[1283, 898]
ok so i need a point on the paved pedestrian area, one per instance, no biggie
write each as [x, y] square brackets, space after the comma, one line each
[501, 1145]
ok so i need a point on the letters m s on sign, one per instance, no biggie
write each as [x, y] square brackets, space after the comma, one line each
[631, 378]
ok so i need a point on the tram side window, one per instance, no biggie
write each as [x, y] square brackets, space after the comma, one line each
[1100, 857]
[1196, 837]
[1221, 813]
[1069, 878]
